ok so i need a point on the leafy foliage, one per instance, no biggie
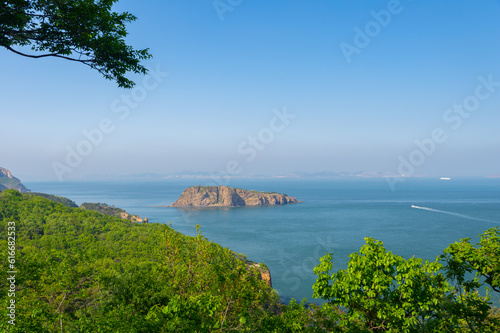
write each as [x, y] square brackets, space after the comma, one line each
[484, 259]
[385, 292]
[213, 289]
[85, 31]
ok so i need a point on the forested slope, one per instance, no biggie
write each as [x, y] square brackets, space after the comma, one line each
[81, 271]
[72, 270]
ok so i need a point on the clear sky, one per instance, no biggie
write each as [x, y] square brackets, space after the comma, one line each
[269, 87]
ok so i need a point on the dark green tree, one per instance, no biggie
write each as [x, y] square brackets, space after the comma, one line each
[84, 31]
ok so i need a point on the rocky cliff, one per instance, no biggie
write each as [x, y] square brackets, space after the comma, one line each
[224, 196]
[7, 181]
[265, 273]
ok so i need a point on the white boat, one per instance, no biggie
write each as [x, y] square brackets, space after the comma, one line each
[445, 178]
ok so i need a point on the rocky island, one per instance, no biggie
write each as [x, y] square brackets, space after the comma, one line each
[224, 196]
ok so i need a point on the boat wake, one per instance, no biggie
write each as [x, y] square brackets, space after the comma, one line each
[454, 214]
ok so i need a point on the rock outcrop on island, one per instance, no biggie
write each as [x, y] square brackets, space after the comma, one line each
[224, 196]
[7, 181]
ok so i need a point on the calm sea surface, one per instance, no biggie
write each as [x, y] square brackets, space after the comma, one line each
[335, 216]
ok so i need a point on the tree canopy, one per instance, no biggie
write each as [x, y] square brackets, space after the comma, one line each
[84, 31]
[382, 291]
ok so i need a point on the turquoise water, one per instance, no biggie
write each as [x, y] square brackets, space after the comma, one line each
[335, 216]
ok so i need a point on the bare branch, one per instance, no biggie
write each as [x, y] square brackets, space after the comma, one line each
[48, 55]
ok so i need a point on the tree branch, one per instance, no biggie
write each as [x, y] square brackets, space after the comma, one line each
[48, 55]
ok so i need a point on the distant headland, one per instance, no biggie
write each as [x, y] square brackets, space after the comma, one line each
[105, 209]
[7, 181]
[224, 196]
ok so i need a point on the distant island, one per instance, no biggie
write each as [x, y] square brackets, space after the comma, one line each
[494, 176]
[9, 182]
[224, 196]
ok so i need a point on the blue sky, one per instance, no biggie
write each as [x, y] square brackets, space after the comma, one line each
[260, 87]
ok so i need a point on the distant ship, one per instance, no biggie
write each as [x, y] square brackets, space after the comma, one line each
[445, 178]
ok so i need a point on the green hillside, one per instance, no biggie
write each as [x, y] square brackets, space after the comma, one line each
[73, 270]
[81, 271]
[56, 198]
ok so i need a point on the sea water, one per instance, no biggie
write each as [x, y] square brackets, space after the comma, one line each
[420, 218]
